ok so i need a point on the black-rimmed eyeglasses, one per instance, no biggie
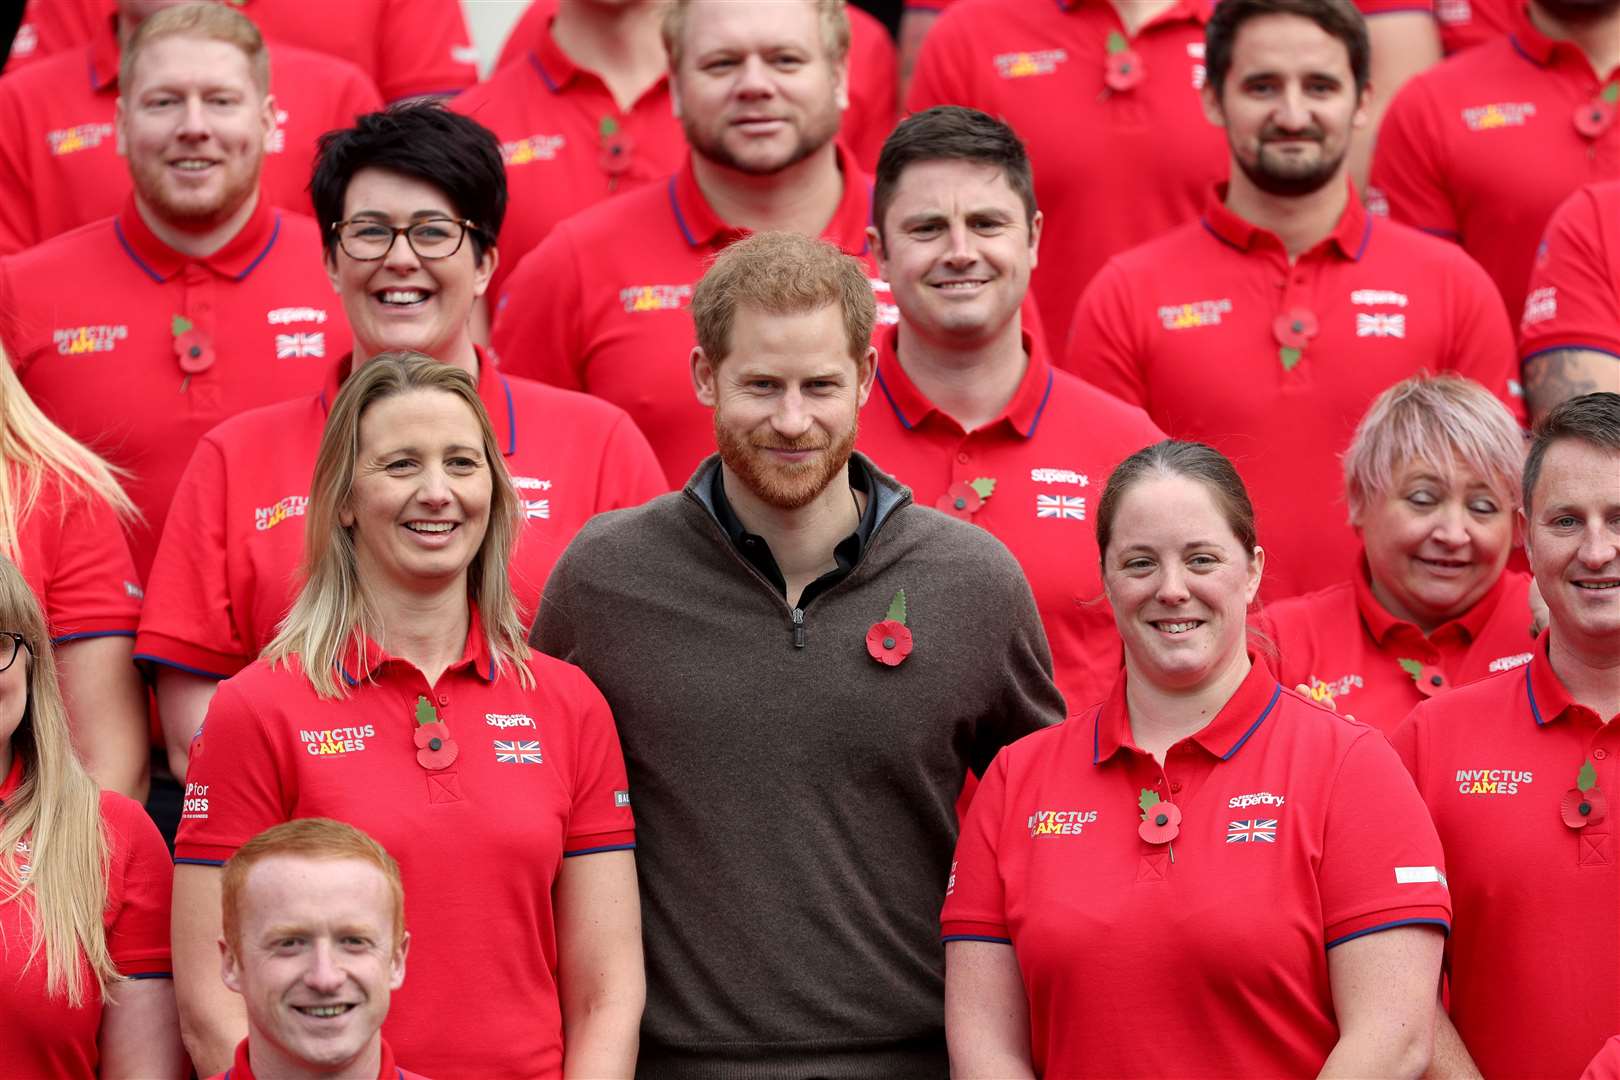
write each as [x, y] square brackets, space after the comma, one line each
[12, 643]
[433, 238]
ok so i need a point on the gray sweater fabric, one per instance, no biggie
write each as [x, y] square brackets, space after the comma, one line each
[794, 803]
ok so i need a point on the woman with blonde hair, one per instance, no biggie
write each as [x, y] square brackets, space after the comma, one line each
[1432, 477]
[62, 514]
[84, 887]
[399, 696]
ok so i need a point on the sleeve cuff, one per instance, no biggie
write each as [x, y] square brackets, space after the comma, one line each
[1534, 346]
[152, 965]
[186, 851]
[587, 843]
[973, 930]
[157, 648]
[1418, 915]
[81, 632]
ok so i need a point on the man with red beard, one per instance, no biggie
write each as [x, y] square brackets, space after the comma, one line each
[803, 665]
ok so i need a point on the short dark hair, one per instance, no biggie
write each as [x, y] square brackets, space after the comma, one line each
[1197, 462]
[427, 142]
[1591, 418]
[951, 133]
[1338, 18]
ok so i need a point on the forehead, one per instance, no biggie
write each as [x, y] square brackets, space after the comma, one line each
[1453, 471]
[1169, 509]
[796, 345]
[188, 60]
[1575, 472]
[953, 184]
[295, 890]
[443, 416]
[756, 26]
[1287, 44]
[393, 194]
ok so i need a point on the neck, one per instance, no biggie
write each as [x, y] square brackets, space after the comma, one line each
[802, 198]
[970, 382]
[1300, 222]
[1589, 670]
[802, 540]
[458, 352]
[203, 240]
[5, 759]
[1162, 716]
[268, 1063]
[429, 628]
[1597, 37]
[619, 44]
[1387, 601]
[1135, 14]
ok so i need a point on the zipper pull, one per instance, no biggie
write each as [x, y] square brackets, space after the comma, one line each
[798, 628]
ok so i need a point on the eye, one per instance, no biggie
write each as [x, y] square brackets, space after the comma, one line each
[400, 465]
[368, 232]
[925, 231]
[1422, 498]
[1203, 561]
[1483, 507]
[431, 232]
[787, 62]
[1138, 563]
[719, 66]
[463, 464]
[1564, 521]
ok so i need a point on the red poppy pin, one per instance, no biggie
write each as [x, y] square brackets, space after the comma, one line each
[1293, 330]
[963, 498]
[1430, 679]
[1122, 65]
[1161, 821]
[1593, 118]
[616, 148]
[435, 748]
[1583, 804]
[191, 347]
[889, 641]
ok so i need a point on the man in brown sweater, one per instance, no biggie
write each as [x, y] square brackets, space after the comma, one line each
[803, 665]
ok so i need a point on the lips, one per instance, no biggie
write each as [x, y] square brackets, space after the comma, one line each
[1598, 584]
[325, 1012]
[402, 297]
[1176, 627]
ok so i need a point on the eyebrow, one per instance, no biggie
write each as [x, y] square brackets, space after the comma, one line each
[417, 215]
[456, 448]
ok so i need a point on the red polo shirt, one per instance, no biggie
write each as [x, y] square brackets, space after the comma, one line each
[1606, 1066]
[59, 162]
[42, 1036]
[1466, 23]
[1574, 297]
[1046, 490]
[72, 551]
[1340, 647]
[1104, 176]
[241, 1069]
[49, 27]
[1535, 989]
[602, 305]
[1483, 148]
[1308, 835]
[228, 567]
[538, 776]
[1388, 302]
[100, 357]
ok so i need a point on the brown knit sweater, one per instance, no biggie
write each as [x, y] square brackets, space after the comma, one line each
[794, 803]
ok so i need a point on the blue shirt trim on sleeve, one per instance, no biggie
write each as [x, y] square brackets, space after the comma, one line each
[65, 638]
[187, 668]
[198, 862]
[595, 850]
[1441, 923]
[975, 937]
[151, 975]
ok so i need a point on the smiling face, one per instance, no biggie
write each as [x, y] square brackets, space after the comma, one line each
[957, 250]
[13, 697]
[1434, 546]
[194, 125]
[1289, 104]
[419, 504]
[755, 89]
[315, 963]
[403, 301]
[1573, 536]
[1180, 583]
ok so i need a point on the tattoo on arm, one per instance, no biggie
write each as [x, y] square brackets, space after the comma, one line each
[1552, 377]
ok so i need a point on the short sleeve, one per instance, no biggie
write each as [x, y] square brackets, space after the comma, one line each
[1408, 169]
[1381, 865]
[599, 819]
[975, 894]
[233, 783]
[1481, 338]
[1101, 348]
[523, 35]
[536, 328]
[424, 49]
[357, 97]
[1574, 295]
[630, 473]
[140, 880]
[92, 590]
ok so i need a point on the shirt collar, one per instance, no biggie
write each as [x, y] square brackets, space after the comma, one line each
[387, 1069]
[104, 54]
[754, 548]
[702, 227]
[1350, 235]
[1549, 699]
[555, 67]
[362, 657]
[911, 406]
[1381, 624]
[236, 260]
[493, 390]
[1255, 700]
[13, 779]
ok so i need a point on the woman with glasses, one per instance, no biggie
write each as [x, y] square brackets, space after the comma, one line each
[62, 515]
[410, 200]
[398, 695]
[85, 990]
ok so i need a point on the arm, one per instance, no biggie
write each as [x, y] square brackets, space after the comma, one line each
[140, 1033]
[182, 700]
[107, 709]
[212, 1019]
[1451, 1060]
[1403, 44]
[600, 979]
[986, 1012]
[1560, 374]
[914, 26]
[1384, 995]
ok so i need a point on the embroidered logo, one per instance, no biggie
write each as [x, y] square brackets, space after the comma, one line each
[1380, 325]
[621, 798]
[464, 54]
[78, 340]
[508, 720]
[1378, 297]
[1059, 476]
[134, 591]
[536, 509]
[194, 804]
[1454, 12]
[290, 346]
[25, 865]
[1420, 875]
[1061, 507]
[1200, 74]
[1252, 832]
[278, 137]
[639, 298]
[1060, 822]
[1492, 781]
[1193, 315]
[268, 517]
[1258, 798]
[532, 149]
[530, 483]
[520, 752]
[71, 140]
[1499, 114]
[1023, 65]
[1508, 663]
[888, 312]
[1540, 305]
[26, 41]
[286, 316]
[335, 742]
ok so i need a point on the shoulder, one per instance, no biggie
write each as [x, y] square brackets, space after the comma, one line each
[56, 75]
[624, 216]
[130, 832]
[1106, 417]
[1314, 725]
[562, 414]
[81, 251]
[925, 538]
[1405, 246]
[1472, 707]
[257, 430]
[622, 537]
[301, 64]
[501, 95]
[300, 227]
[1149, 260]
[1332, 602]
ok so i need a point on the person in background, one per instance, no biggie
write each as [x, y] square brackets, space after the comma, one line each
[1203, 820]
[84, 888]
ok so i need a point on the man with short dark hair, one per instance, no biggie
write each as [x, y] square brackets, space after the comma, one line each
[802, 664]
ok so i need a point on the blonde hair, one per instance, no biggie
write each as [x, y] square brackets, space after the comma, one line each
[305, 838]
[34, 450]
[834, 21]
[57, 809]
[209, 21]
[1441, 420]
[333, 609]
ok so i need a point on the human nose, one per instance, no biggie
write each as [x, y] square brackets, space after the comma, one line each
[961, 251]
[324, 974]
[791, 418]
[1599, 546]
[1172, 584]
[193, 124]
[435, 488]
[754, 78]
[400, 255]
[1292, 112]
[1450, 525]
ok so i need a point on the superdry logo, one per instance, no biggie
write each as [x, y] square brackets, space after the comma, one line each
[1492, 781]
[81, 137]
[1380, 325]
[1540, 305]
[1258, 798]
[1193, 315]
[1059, 476]
[1508, 663]
[1021, 65]
[534, 148]
[1060, 822]
[194, 807]
[25, 864]
[77, 340]
[26, 41]
[333, 742]
[529, 483]
[639, 298]
[1200, 73]
[621, 798]
[1499, 114]
[286, 316]
[508, 720]
[1378, 297]
[277, 143]
[268, 517]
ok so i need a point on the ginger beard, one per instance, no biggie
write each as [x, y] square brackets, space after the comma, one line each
[783, 485]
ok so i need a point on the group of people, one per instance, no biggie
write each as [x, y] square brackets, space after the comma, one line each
[727, 580]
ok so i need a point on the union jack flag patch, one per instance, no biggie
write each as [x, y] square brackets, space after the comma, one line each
[1380, 325]
[1257, 832]
[519, 752]
[536, 509]
[294, 345]
[1067, 507]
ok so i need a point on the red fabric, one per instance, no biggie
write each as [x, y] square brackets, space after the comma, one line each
[59, 163]
[1535, 990]
[1103, 175]
[52, 26]
[73, 553]
[97, 353]
[479, 843]
[1483, 148]
[1340, 647]
[228, 567]
[602, 305]
[1574, 295]
[1466, 23]
[1388, 7]
[42, 1037]
[1606, 1066]
[1388, 302]
[1057, 441]
[241, 1069]
[1051, 861]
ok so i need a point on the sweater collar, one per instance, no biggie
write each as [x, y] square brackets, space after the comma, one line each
[885, 494]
